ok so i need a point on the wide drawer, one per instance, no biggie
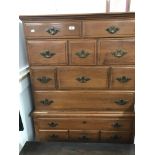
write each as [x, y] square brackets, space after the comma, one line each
[118, 124]
[84, 100]
[45, 52]
[108, 28]
[116, 51]
[122, 78]
[82, 52]
[116, 137]
[83, 78]
[53, 29]
[84, 135]
[43, 78]
[52, 135]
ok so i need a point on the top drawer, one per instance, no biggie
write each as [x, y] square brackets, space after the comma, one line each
[108, 28]
[54, 29]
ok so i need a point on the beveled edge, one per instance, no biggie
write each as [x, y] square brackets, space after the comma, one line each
[77, 16]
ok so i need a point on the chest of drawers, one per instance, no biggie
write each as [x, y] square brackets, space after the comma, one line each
[82, 76]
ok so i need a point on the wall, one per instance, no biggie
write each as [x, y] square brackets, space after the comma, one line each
[25, 101]
[54, 7]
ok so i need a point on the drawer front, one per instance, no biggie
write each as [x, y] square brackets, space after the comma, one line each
[119, 51]
[118, 124]
[108, 28]
[84, 135]
[43, 79]
[82, 52]
[83, 78]
[116, 137]
[52, 135]
[122, 78]
[55, 29]
[45, 52]
[84, 100]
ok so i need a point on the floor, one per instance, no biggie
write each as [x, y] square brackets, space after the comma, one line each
[60, 148]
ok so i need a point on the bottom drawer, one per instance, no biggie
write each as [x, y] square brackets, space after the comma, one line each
[116, 137]
[84, 135]
[53, 135]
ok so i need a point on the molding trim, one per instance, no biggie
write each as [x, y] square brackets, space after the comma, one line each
[23, 73]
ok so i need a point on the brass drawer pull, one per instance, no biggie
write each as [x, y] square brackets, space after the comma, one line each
[112, 29]
[85, 138]
[54, 136]
[52, 124]
[52, 31]
[82, 54]
[46, 102]
[119, 53]
[44, 79]
[82, 79]
[123, 79]
[116, 125]
[47, 54]
[121, 102]
[115, 137]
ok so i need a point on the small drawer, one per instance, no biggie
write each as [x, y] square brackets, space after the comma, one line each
[123, 78]
[54, 29]
[83, 78]
[84, 100]
[82, 52]
[52, 135]
[116, 51]
[43, 78]
[116, 137]
[84, 135]
[118, 124]
[44, 52]
[109, 28]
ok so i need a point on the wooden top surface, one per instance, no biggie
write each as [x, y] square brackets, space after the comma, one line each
[59, 148]
[76, 16]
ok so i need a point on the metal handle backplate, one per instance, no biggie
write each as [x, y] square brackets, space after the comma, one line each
[123, 79]
[44, 79]
[47, 54]
[83, 79]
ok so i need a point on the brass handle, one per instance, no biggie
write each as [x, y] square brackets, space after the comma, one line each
[85, 138]
[112, 29]
[115, 137]
[116, 125]
[52, 31]
[82, 79]
[46, 102]
[82, 54]
[54, 136]
[119, 53]
[44, 79]
[47, 54]
[123, 79]
[121, 102]
[52, 124]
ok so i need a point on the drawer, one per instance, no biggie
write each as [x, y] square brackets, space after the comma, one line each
[116, 137]
[108, 28]
[52, 135]
[45, 52]
[43, 78]
[122, 78]
[53, 29]
[82, 52]
[84, 100]
[83, 78]
[118, 124]
[116, 51]
[84, 135]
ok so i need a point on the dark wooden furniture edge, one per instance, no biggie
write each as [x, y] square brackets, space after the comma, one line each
[77, 16]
